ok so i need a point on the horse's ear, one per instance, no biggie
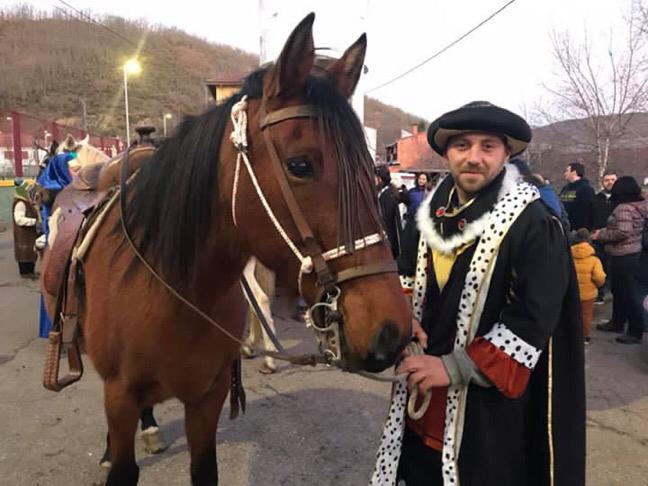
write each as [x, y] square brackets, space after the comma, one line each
[346, 71]
[288, 75]
[85, 141]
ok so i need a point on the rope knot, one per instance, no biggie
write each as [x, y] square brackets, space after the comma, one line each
[239, 122]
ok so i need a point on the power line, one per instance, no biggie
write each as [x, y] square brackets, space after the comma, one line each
[441, 51]
[100, 24]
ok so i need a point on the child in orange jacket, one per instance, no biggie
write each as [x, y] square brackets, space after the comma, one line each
[591, 276]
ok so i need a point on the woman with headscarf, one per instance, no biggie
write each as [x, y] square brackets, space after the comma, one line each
[623, 243]
[25, 222]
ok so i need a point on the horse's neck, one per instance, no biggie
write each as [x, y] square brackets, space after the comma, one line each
[220, 263]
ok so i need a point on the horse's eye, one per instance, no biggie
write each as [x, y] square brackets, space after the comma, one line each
[300, 167]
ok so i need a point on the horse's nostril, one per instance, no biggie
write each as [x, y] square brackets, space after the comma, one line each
[386, 344]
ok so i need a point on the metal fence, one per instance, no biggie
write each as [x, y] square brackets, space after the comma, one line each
[24, 138]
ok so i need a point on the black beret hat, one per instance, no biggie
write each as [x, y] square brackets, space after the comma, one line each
[480, 116]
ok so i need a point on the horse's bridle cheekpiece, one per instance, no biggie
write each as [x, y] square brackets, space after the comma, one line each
[325, 315]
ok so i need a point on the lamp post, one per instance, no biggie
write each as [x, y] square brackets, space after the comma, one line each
[165, 117]
[132, 66]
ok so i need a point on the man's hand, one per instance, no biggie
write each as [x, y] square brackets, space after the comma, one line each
[418, 333]
[425, 372]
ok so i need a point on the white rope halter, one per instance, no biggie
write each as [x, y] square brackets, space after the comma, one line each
[239, 139]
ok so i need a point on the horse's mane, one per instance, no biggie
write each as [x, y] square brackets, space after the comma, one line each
[173, 194]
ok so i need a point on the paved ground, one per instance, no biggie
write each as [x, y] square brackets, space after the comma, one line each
[303, 426]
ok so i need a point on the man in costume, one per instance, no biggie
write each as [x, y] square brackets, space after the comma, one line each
[25, 228]
[496, 302]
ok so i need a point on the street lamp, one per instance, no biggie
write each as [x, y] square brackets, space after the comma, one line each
[132, 66]
[165, 117]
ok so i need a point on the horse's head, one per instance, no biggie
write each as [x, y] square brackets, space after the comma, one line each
[295, 189]
[306, 205]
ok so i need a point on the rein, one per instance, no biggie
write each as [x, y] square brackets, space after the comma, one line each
[301, 359]
[324, 316]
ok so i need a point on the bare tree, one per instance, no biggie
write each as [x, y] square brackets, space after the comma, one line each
[605, 97]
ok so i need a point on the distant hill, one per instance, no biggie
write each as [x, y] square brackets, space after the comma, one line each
[556, 145]
[49, 63]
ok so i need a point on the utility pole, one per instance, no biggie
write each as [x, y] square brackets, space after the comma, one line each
[84, 116]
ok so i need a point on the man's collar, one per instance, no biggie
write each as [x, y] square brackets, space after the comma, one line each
[448, 234]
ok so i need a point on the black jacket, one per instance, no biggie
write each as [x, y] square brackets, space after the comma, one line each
[388, 198]
[599, 211]
[576, 197]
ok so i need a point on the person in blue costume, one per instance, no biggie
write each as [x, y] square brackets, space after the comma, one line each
[52, 180]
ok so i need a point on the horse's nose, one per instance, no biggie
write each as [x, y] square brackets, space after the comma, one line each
[385, 347]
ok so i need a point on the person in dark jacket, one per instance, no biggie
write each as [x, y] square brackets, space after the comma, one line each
[388, 197]
[577, 195]
[547, 193]
[416, 195]
[599, 211]
[622, 237]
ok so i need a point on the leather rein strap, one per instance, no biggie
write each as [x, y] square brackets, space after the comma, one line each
[311, 247]
[301, 359]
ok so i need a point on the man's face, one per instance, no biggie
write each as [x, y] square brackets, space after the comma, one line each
[569, 174]
[421, 180]
[608, 181]
[475, 160]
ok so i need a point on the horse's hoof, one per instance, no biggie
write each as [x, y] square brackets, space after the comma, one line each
[105, 461]
[153, 441]
[267, 369]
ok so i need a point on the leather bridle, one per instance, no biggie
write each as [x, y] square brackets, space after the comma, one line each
[325, 315]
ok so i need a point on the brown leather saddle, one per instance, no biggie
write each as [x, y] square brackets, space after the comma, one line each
[79, 204]
[105, 176]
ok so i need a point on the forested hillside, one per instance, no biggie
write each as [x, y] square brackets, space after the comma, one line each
[51, 65]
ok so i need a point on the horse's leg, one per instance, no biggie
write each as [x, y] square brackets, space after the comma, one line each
[249, 344]
[106, 460]
[122, 413]
[151, 437]
[201, 421]
[266, 282]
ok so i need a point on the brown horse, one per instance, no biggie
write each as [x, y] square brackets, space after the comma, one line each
[308, 153]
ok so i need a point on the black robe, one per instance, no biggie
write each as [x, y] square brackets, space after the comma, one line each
[530, 425]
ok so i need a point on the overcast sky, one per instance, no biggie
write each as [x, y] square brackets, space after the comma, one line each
[505, 61]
